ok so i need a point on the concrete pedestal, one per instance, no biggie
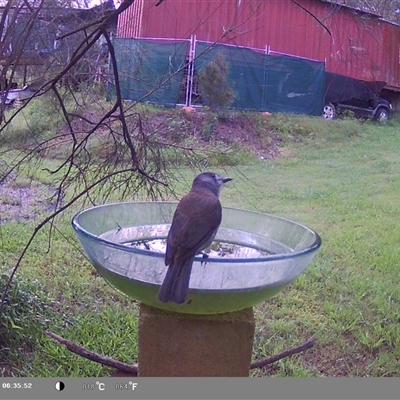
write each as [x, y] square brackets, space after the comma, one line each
[183, 345]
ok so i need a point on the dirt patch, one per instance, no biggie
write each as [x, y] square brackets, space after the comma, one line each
[175, 126]
[332, 361]
[24, 200]
[347, 359]
[232, 129]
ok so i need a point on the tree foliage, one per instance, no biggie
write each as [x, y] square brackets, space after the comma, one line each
[214, 85]
[388, 9]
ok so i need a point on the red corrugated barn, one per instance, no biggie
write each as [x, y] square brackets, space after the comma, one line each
[351, 42]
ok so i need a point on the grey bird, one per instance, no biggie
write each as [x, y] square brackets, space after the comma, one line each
[194, 225]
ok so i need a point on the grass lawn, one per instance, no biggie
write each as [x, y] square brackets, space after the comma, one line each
[340, 178]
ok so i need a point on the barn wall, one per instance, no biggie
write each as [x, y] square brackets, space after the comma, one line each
[353, 43]
[358, 47]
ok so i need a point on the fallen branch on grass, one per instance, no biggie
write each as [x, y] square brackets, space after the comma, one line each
[269, 360]
[90, 355]
[133, 368]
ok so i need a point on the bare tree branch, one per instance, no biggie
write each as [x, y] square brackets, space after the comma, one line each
[133, 368]
[91, 355]
[313, 16]
[269, 360]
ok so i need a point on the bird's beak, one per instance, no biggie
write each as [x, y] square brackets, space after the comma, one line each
[224, 180]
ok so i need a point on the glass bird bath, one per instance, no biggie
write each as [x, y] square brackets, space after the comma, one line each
[253, 257]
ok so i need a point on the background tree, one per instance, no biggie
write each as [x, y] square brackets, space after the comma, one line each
[110, 149]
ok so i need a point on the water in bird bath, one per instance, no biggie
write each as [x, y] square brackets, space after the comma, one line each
[217, 249]
[229, 243]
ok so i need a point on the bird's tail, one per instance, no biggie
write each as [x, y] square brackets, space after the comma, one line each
[176, 282]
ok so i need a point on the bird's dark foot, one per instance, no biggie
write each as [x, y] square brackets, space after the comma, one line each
[145, 244]
[190, 300]
[205, 259]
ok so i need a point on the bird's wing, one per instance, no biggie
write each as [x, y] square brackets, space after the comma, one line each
[196, 219]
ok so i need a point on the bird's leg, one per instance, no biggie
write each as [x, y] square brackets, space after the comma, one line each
[205, 259]
[145, 244]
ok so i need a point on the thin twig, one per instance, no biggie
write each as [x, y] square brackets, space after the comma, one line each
[269, 360]
[313, 16]
[90, 355]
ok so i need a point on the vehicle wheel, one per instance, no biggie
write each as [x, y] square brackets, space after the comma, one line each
[381, 115]
[329, 111]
